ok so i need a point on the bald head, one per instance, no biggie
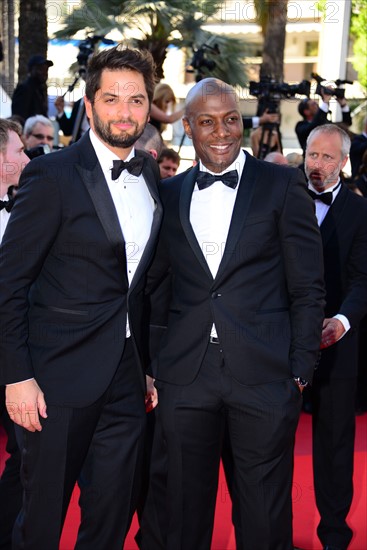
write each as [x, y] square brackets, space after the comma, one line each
[207, 88]
[276, 158]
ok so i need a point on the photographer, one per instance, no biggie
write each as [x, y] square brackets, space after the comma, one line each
[38, 136]
[315, 115]
[67, 125]
[30, 96]
[78, 123]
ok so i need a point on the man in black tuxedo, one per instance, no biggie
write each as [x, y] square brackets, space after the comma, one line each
[342, 216]
[243, 329]
[72, 274]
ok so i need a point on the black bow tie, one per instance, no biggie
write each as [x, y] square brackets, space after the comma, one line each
[8, 205]
[326, 198]
[204, 179]
[134, 166]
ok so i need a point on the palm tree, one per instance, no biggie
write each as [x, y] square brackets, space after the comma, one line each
[157, 25]
[8, 41]
[273, 19]
[33, 38]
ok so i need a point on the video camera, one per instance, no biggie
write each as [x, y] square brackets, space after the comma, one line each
[86, 49]
[337, 92]
[269, 92]
[199, 61]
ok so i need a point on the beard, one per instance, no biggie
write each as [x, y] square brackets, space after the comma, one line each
[321, 180]
[123, 139]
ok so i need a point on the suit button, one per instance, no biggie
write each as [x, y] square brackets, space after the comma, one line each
[216, 295]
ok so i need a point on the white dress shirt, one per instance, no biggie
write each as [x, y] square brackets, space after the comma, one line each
[134, 206]
[211, 213]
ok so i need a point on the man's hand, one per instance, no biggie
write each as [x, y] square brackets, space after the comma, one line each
[269, 118]
[151, 397]
[25, 402]
[332, 330]
[325, 97]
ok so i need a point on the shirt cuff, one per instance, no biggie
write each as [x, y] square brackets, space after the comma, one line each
[344, 321]
[21, 382]
[345, 109]
[255, 121]
[324, 107]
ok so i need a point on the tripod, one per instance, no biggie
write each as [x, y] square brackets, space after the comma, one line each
[268, 130]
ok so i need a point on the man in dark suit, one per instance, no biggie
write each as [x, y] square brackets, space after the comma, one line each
[243, 329]
[314, 115]
[30, 97]
[77, 124]
[72, 274]
[342, 216]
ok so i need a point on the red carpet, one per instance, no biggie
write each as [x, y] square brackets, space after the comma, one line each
[305, 513]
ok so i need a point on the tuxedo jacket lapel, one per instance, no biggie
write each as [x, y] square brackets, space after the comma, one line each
[240, 211]
[334, 213]
[151, 179]
[184, 210]
[93, 178]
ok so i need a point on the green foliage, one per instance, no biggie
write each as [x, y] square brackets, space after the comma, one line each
[359, 31]
[157, 25]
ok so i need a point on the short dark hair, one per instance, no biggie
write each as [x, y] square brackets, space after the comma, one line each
[170, 154]
[117, 59]
[303, 106]
[7, 126]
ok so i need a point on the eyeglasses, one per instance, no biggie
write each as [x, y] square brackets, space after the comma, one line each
[42, 136]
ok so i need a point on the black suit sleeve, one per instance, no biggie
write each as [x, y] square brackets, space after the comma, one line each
[21, 101]
[347, 119]
[302, 248]
[354, 304]
[67, 124]
[247, 122]
[28, 238]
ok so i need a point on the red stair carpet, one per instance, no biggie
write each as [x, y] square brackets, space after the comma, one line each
[305, 513]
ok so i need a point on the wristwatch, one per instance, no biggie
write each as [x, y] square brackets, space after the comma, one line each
[301, 382]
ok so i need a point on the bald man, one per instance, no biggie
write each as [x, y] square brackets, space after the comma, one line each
[243, 330]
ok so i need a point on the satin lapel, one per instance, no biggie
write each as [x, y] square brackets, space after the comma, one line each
[184, 209]
[151, 180]
[94, 180]
[335, 211]
[240, 211]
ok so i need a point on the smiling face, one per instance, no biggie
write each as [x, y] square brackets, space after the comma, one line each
[324, 160]
[214, 123]
[120, 110]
